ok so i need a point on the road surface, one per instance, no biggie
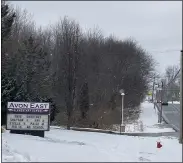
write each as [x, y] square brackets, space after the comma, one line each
[172, 113]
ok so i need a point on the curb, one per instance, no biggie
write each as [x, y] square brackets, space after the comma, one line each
[166, 119]
[126, 133]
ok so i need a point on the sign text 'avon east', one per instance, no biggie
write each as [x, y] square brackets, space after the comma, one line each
[27, 105]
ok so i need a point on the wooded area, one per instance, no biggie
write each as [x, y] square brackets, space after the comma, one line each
[80, 73]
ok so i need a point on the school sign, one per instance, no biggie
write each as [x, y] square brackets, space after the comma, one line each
[30, 116]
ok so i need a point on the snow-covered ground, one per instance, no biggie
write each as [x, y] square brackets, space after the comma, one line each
[148, 121]
[174, 102]
[61, 145]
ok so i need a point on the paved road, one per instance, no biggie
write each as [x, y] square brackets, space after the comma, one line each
[172, 113]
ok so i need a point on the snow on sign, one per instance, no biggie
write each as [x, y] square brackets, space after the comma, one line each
[28, 116]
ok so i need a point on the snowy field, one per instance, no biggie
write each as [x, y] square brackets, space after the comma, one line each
[61, 145]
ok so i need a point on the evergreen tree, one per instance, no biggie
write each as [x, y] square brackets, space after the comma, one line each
[7, 19]
[30, 66]
[10, 91]
[8, 84]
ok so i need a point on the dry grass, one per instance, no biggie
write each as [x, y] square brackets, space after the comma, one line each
[97, 118]
[2, 129]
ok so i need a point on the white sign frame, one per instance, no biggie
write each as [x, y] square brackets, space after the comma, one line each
[28, 116]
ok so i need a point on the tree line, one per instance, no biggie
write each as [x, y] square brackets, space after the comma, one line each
[79, 73]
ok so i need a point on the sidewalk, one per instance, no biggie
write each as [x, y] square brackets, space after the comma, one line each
[147, 125]
[148, 121]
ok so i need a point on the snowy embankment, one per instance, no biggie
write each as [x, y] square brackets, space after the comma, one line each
[174, 102]
[60, 145]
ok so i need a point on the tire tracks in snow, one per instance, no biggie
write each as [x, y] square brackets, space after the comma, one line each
[54, 140]
[11, 155]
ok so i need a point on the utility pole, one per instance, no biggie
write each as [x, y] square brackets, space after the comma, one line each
[155, 99]
[158, 99]
[159, 93]
[153, 89]
[180, 138]
[161, 107]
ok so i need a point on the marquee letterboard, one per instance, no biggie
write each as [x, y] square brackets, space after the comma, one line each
[28, 116]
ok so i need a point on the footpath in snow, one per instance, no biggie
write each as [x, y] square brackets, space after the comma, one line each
[61, 145]
[148, 121]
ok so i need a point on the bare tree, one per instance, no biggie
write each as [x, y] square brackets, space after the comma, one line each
[171, 92]
[171, 71]
[68, 39]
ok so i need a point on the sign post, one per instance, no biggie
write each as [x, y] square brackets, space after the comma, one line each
[29, 117]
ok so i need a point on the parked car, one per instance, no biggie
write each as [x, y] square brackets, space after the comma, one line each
[164, 103]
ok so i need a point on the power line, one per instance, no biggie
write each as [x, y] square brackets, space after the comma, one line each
[165, 51]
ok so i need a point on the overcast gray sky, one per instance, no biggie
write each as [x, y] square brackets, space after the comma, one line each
[157, 26]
